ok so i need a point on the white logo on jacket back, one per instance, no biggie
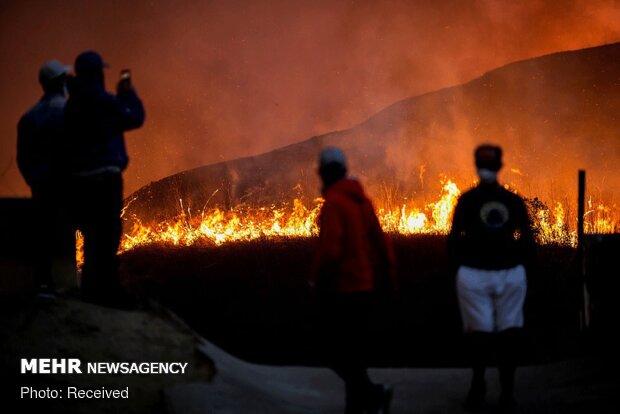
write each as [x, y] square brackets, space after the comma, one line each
[494, 214]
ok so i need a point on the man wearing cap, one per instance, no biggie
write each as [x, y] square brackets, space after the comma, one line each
[350, 240]
[491, 244]
[38, 138]
[96, 156]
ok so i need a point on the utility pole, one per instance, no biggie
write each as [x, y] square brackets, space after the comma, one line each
[581, 209]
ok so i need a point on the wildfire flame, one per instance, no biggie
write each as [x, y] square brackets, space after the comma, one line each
[433, 218]
[216, 226]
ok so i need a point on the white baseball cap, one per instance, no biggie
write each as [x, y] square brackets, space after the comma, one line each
[52, 69]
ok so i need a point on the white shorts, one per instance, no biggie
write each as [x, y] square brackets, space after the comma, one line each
[491, 300]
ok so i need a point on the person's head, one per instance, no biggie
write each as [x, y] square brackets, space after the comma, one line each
[488, 162]
[332, 165]
[53, 76]
[89, 65]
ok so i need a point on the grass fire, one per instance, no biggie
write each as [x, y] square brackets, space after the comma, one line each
[553, 221]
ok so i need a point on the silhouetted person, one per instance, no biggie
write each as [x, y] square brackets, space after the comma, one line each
[38, 138]
[96, 156]
[491, 243]
[343, 276]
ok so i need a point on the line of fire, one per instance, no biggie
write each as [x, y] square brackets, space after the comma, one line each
[297, 219]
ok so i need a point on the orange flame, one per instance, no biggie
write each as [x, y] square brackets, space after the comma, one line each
[415, 220]
[216, 226]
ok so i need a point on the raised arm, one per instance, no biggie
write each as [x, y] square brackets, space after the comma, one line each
[130, 109]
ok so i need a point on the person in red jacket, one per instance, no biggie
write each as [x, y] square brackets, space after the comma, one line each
[353, 262]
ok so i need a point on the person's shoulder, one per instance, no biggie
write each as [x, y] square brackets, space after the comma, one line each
[511, 194]
[512, 198]
[30, 114]
[469, 194]
[336, 201]
[332, 198]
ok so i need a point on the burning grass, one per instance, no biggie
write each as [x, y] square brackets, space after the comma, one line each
[554, 222]
[552, 225]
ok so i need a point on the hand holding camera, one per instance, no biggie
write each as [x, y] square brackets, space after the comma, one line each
[124, 83]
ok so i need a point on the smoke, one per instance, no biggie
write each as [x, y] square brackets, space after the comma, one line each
[225, 79]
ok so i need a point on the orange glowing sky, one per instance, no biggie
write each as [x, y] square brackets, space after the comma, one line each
[223, 79]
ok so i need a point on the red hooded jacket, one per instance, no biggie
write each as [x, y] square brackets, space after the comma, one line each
[353, 253]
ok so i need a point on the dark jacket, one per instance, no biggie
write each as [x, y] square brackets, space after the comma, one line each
[491, 230]
[94, 124]
[38, 138]
[350, 237]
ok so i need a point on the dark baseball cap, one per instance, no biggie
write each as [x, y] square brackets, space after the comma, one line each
[489, 157]
[89, 62]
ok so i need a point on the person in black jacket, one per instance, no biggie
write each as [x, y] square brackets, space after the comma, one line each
[491, 244]
[95, 153]
[39, 134]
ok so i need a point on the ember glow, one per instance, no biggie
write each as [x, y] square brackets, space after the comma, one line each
[553, 224]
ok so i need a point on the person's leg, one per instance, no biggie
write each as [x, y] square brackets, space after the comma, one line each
[356, 383]
[346, 318]
[101, 227]
[510, 300]
[109, 230]
[43, 241]
[480, 348]
[476, 306]
[65, 243]
[84, 212]
[507, 370]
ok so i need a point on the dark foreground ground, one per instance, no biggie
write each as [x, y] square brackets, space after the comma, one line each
[252, 300]
[70, 328]
[571, 386]
[218, 382]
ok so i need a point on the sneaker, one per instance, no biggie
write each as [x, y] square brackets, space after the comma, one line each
[474, 403]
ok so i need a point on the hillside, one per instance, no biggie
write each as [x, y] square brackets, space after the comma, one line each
[552, 114]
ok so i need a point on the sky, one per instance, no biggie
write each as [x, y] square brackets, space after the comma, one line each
[232, 78]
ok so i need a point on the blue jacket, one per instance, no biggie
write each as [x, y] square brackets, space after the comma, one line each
[38, 138]
[94, 123]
